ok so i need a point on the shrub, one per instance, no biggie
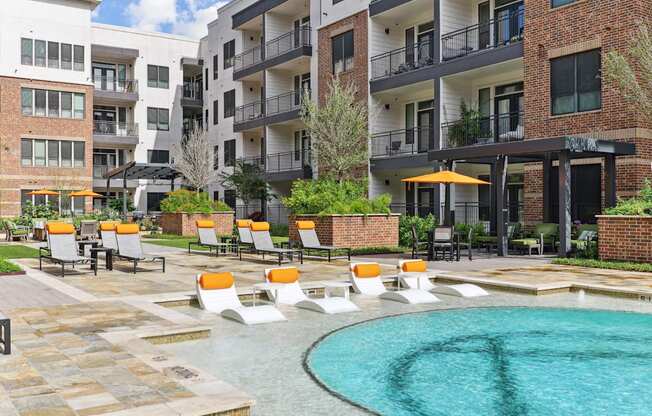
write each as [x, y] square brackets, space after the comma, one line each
[115, 204]
[183, 200]
[463, 229]
[31, 211]
[280, 230]
[605, 264]
[8, 267]
[323, 197]
[638, 205]
[422, 226]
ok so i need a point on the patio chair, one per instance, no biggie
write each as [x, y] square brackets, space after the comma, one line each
[88, 230]
[62, 248]
[263, 243]
[418, 246]
[415, 275]
[584, 236]
[244, 233]
[490, 241]
[130, 247]
[442, 240]
[14, 231]
[216, 293]
[292, 294]
[543, 234]
[310, 241]
[366, 280]
[206, 237]
[107, 234]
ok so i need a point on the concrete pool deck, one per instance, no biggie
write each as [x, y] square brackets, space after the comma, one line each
[86, 345]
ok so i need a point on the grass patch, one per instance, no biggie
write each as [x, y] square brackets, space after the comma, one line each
[177, 241]
[8, 267]
[603, 264]
[18, 252]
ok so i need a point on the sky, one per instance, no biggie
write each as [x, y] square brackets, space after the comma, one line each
[179, 17]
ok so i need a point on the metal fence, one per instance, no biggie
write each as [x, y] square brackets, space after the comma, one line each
[294, 39]
[192, 90]
[112, 84]
[287, 161]
[276, 213]
[399, 142]
[465, 212]
[402, 60]
[113, 128]
[499, 128]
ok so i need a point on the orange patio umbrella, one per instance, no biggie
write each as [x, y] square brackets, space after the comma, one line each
[446, 177]
[86, 192]
[43, 192]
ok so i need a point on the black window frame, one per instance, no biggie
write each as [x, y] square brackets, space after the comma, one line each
[230, 198]
[216, 112]
[559, 3]
[216, 67]
[339, 47]
[575, 61]
[229, 103]
[23, 52]
[206, 78]
[229, 53]
[158, 156]
[216, 157]
[158, 82]
[229, 153]
[158, 112]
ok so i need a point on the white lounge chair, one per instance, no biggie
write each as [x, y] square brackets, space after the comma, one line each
[414, 274]
[208, 238]
[366, 280]
[130, 247]
[244, 233]
[62, 248]
[216, 293]
[292, 294]
[310, 241]
[107, 233]
[263, 243]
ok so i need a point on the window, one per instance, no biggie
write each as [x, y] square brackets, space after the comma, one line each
[66, 56]
[39, 153]
[206, 119]
[53, 104]
[26, 152]
[78, 59]
[79, 106]
[229, 103]
[66, 154]
[229, 53]
[79, 153]
[216, 157]
[66, 105]
[216, 195]
[39, 53]
[215, 67]
[53, 153]
[40, 98]
[229, 197]
[557, 3]
[53, 54]
[158, 156]
[157, 119]
[154, 200]
[206, 78]
[26, 51]
[215, 112]
[229, 153]
[342, 50]
[575, 84]
[27, 101]
[158, 76]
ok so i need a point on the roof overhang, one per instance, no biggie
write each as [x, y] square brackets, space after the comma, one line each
[134, 170]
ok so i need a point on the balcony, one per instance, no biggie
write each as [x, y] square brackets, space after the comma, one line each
[402, 142]
[273, 110]
[283, 166]
[111, 132]
[192, 95]
[284, 48]
[499, 128]
[114, 90]
[402, 60]
[496, 33]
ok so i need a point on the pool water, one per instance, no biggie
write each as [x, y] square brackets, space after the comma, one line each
[492, 361]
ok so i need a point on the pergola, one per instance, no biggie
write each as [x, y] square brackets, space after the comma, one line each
[134, 170]
[562, 149]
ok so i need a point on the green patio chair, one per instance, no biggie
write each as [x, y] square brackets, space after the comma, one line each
[584, 236]
[543, 234]
[489, 241]
[14, 231]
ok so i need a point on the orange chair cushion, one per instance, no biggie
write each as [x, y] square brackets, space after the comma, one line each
[127, 229]
[367, 270]
[285, 275]
[414, 266]
[60, 228]
[306, 225]
[259, 226]
[212, 281]
[205, 224]
[243, 223]
[108, 226]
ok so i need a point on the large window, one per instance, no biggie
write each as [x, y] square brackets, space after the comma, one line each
[215, 67]
[158, 156]
[53, 54]
[78, 58]
[43, 103]
[158, 76]
[342, 52]
[229, 103]
[26, 51]
[575, 84]
[229, 53]
[216, 107]
[66, 56]
[158, 119]
[52, 153]
[154, 200]
[229, 153]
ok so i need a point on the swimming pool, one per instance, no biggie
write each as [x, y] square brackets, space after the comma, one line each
[492, 361]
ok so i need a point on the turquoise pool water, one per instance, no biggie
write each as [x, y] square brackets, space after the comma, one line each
[493, 361]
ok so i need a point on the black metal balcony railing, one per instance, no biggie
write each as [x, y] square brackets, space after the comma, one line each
[100, 170]
[192, 90]
[125, 86]
[287, 42]
[402, 60]
[113, 128]
[465, 212]
[402, 142]
[499, 128]
[288, 161]
[495, 33]
[282, 103]
[254, 161]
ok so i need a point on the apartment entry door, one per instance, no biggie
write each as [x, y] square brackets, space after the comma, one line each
[509, 21]
[585, 193]
[425, 118]
[484, 28]
[104, 76]
[426, 202]
[301, 86]
[298, 33]
[508, 110]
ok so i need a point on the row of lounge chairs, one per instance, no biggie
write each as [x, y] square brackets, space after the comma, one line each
[122, 239]
[216, 292]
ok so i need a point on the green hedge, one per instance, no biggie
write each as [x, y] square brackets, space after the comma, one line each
[8, 267]
[602, 264]
[323, 197]
[183, 200]
[639, 205]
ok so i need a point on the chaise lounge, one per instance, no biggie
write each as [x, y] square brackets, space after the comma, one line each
[263, 243]
[130, 247]
[310, 241]
[366, 280]
[62, 248]
[206, 237]
[415, 275]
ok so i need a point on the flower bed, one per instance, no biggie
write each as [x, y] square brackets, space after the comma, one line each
[625, 237]
[184, 223]
[351, 230]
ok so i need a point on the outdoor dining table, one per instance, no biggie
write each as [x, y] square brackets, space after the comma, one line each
[456, 245]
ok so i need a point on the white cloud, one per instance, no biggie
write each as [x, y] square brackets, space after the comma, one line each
[183, 17]
[151, 15]
[193, 22]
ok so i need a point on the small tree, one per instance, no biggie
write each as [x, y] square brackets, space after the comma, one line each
[193, 158]
[338, 131]
[632, 72]
[247, 180]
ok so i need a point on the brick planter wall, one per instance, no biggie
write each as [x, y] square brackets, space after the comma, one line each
[182, 223]
[625, 237]
[353, 231]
